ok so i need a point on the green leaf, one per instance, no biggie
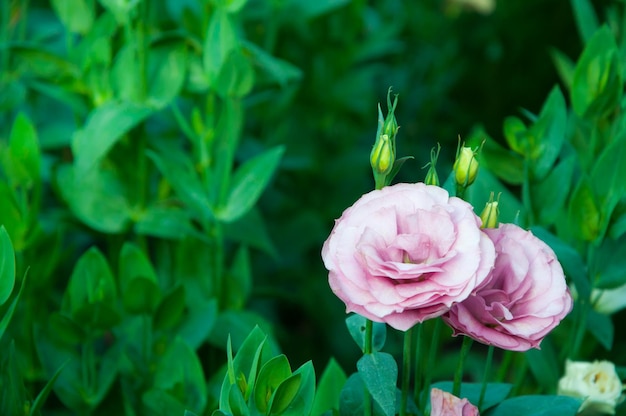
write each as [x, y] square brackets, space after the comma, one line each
[379, 372]
[351, 398]
[91, 291]
[547, 135]
[236, 402]
[161, 403]
[586, 19]
[98, 198]
[274, 372]
[138, 282]
[284, 395]
[231, 6]
[41, 398]
[494, 393]
[105, 126]
[236, 77]
[170, 311]
[597, 84]
[356, 327]
[168, 222]
[503, 163]
[76, 15]
[66, 328]
[584, 213]
[167, 69]
[7, 266]
[239, 280]
[8, 314]
[549, 195]
[220, 41]
[564, 66]
[329, 388]
[198, 322]
[607, 264]
[601, 327]
[538, 406]
[544, 365]
[179, 372]
[281, 72]
[312, 9]
[302, 402]
[126, 76]
[250, 229]
[515, 133]
[25, 152]
[248, 183]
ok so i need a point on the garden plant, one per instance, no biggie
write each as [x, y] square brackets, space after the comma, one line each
[204, 210]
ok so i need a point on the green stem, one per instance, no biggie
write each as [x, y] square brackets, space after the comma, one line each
[432, 354]
[406, 368]
[521, 375]
[417, 376]
[583, 312]
[503, 368]
[483, 387]
[367, 349]
[458, 376]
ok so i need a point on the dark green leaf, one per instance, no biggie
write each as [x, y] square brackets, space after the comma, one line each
[608, 264]
[25, 152]
[537, 406]
[549, 196]
[284, 395]
[282, 72]
[160, 403]
[274, 372]
[198, 322]
[356, 327]
[516, 134]
[302, 403]
[544, 364]
[379, 372]
[170, 311]
[239, 280]
[7, 266]
[564, 66]
[586, 18]
[584, 213]
[329, 388]
[248, 183]
[601, 327]
[41, 398]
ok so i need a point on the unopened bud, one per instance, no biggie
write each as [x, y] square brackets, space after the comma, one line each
[431, 176]
[465, 167]
[490, 214]
[382, 156]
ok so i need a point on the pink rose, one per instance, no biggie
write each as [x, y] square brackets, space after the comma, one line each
[523, 299]
[406, 253]
[445, 404]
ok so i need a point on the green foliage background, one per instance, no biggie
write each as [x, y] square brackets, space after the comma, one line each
[170, 170]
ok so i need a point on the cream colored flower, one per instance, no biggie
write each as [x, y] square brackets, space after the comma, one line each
[596, 382]
[609, 301]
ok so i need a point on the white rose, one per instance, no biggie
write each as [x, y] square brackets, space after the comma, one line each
[596, 382]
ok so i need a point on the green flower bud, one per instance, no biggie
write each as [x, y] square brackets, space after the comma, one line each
[490, 214]
[465, 167]
[382, 156]
[431, 176]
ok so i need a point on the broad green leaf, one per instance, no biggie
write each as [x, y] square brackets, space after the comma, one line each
[538, 406]
[77, 15]
[170, 310]
[179, 372]
[91, 289]
[7, 266]
[284, 394]
[126, 78]
[138, 282]
[329, 388]
[584, 214]
[302, 402]
[312, 9]
[65, 328]
[379, 372]
[274, 372]
[494, 393]
[239, 280]
[98, 198]
[198, 322]
[549, 195]
[105, 126]
[543, 364]
[250, 229]
[351, 398]
[356, 328]
[607, 264]
[8, 313]
[236, 402]
[248, 183]
[13, 394]
[167, 69]
[231, 6]
[121, 9]
[586, 18]
[41, 398]
[601, 327]
[547, 135]
[597, 84]
[176, 168]
[25, 152]
[570, 259]
[220, 41]
[161, 403]
[504, 163]
[479, 193]
[236, 77]
[516, 134]
[163, 221]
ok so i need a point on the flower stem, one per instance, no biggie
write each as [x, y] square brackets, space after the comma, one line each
[367, 349]
[417, 376]
[483, 388]
[406, 368]
[458, 376]
[434, 346]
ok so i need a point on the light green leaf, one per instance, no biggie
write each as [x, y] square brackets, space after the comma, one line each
[167, 69]
[76, 15]
[248, 183]
[564, 66]
[379, 372]
[356, 328]
[105, 126]
[584, 213]
[274, 372]
[7, 266]
[329, 388]
[586, 19]
[549, 195]
[236, 77]
[220, 40]
[25, 152]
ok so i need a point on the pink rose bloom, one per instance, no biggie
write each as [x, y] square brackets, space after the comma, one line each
[406, 253]
[523, 299]
[445, 404]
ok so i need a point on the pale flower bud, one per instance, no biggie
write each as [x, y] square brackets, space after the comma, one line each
[596, 382]
[465, 167]
[490, 213]
[382, 156]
